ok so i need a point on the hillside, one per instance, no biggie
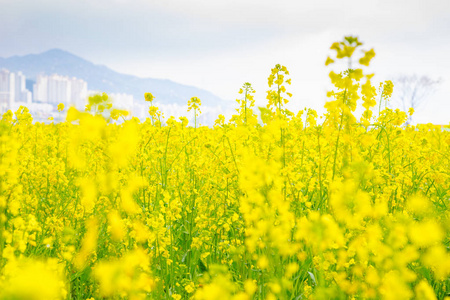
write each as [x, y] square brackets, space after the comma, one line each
[101, 78]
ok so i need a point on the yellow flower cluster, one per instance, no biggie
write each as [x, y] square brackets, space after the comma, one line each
[194, 104]
[245, 111]
[285, 207]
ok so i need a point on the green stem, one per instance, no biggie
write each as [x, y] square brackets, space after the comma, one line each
[245, 111]
[338, 137]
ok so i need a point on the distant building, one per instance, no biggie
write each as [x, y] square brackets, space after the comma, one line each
[79, 91]
[7, 90]
[20, 91]
[57, 89]
[122, 101]
[40, 89]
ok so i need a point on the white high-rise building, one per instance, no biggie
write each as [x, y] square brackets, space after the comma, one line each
[7, 90]
[21, 92]
[57, 89]
[40, 89]
[26, 97]
[122, 101]
[78, 97]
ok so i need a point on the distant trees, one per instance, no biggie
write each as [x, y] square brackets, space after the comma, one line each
[412, 91]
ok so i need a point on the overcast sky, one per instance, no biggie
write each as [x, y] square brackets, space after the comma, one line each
[218, 45]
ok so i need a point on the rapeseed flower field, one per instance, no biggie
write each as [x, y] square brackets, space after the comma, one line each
[291, 206]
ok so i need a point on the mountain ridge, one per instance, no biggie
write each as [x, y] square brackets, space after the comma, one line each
[101, 78]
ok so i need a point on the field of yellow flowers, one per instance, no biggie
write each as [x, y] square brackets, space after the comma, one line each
[290, 206]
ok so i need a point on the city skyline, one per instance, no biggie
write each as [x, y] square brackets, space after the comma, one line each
[12, 89]
[48, 92]
[51, 90]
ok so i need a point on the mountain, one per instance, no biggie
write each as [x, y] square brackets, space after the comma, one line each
[101, 78]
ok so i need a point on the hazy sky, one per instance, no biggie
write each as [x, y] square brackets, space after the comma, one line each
[218, 45]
